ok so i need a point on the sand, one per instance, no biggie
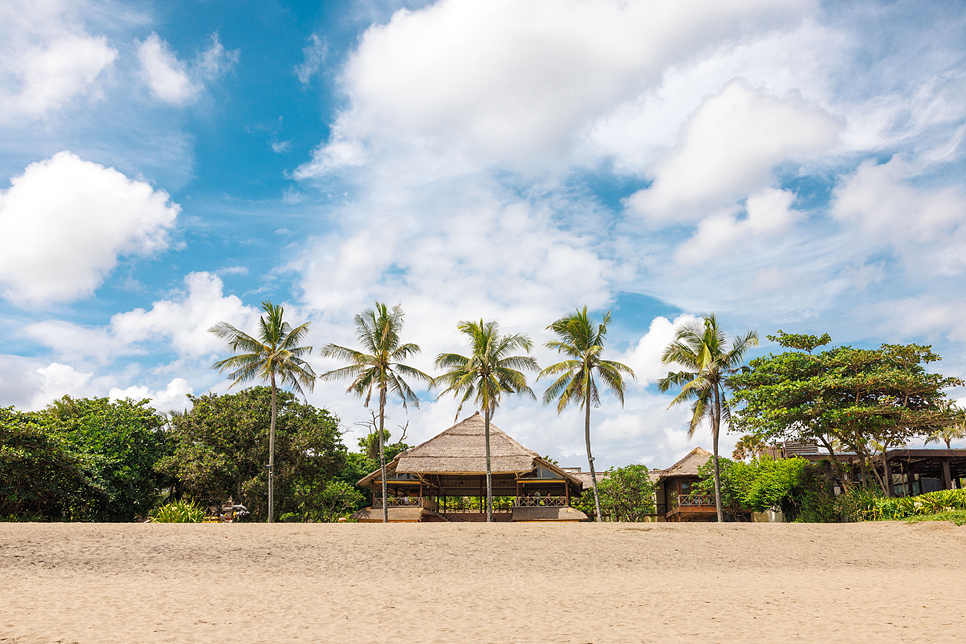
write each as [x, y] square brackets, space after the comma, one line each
[452, 583]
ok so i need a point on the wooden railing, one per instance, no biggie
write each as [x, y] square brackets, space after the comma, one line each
[406, 502]
[538, 501]
[695, 500]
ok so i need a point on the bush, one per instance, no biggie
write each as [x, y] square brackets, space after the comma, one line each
[183, 511]
[626, 494]
[864, 505]
[793, 485]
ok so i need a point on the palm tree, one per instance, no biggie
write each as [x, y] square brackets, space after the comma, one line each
[583, 341]
[488, 373]
[275, 356]
[377, 367]
[699, 347]
[955, 430]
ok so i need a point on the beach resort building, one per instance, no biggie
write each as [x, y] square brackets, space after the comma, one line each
[444, 479]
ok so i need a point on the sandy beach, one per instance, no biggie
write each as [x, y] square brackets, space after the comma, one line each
[580, 583]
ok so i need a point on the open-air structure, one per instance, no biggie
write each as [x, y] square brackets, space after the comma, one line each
[444, 479]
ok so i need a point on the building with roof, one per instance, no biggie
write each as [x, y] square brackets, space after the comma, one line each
[444, 479]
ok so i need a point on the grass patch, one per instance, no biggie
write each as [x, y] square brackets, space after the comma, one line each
[955, 516]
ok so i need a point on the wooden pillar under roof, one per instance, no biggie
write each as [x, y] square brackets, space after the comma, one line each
[890, 490]
[947, 477]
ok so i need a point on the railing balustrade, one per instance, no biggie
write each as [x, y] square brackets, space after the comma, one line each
[695, 500]
[406, 502]
[538, 501]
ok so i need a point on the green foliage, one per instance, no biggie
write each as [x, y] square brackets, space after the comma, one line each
[867, 400]
[183, 511]
[219, 449]
[955, 516]
[863, 505]
[40, 478]
[121, 443]
[795, 486]
[626, 494]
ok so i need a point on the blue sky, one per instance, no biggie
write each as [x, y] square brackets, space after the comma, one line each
[165, 166]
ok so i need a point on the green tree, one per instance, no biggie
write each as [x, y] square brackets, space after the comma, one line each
[863, 400]
[219, 448]
[625, 494]
[274, 356]
[377, 367]
[485, 375]
[120, 443]
[40, 477]
[701, 348]
[583, 341]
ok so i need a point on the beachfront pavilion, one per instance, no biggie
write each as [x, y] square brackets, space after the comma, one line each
[906, 471]
[444, 479]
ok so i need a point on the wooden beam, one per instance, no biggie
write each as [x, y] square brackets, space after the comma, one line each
[947, 478]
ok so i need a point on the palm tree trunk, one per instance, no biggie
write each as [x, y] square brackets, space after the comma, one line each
[715, 427]
[271, 457]
[382, 452]
[489, 476]
[590, 458]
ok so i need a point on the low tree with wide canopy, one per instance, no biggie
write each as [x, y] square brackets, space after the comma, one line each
[862, 400]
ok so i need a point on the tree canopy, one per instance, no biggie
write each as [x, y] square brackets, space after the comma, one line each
[219, 449]
[864, 400]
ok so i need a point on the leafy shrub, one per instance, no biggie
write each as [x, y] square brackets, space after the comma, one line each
[626, 494]
[183, 511]
[793, 485]
[862, 505]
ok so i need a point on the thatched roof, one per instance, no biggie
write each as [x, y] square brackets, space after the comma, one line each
[461, 449]
[688, 466]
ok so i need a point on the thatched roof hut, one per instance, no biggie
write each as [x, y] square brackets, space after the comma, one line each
[688, 466]
[452, 465]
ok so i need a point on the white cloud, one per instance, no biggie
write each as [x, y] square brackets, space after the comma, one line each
[60, 380]
[173, 397]
[315, 53]
[48, 60]
[881, 201]
[185, 319]
[181, 322]
[768, 213]
[645, 357]
[172, 80]
[64, 222]
[515, 82]
[729, 148]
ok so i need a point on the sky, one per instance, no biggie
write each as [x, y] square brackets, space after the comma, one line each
[165, 166]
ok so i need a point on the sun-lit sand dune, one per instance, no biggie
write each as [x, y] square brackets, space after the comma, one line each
[580, 583]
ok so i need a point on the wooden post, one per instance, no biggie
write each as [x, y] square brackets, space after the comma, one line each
[567, 491]
[890, 490]
[947, 477]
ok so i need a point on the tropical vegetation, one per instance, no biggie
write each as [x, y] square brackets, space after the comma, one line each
[489, 372]
[701, 348]
[377, 367]
[582, 340]
[864, 401]
[276, 357]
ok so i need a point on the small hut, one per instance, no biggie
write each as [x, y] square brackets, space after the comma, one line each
[675, 499]
[444, 479]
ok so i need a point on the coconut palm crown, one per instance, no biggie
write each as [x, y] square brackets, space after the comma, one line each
[489, 372]
[583, 341]
[701, 348]
[377, 367]
[274, 356]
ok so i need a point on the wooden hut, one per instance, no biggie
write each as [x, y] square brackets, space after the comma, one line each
[444, 479]
[675, 499]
